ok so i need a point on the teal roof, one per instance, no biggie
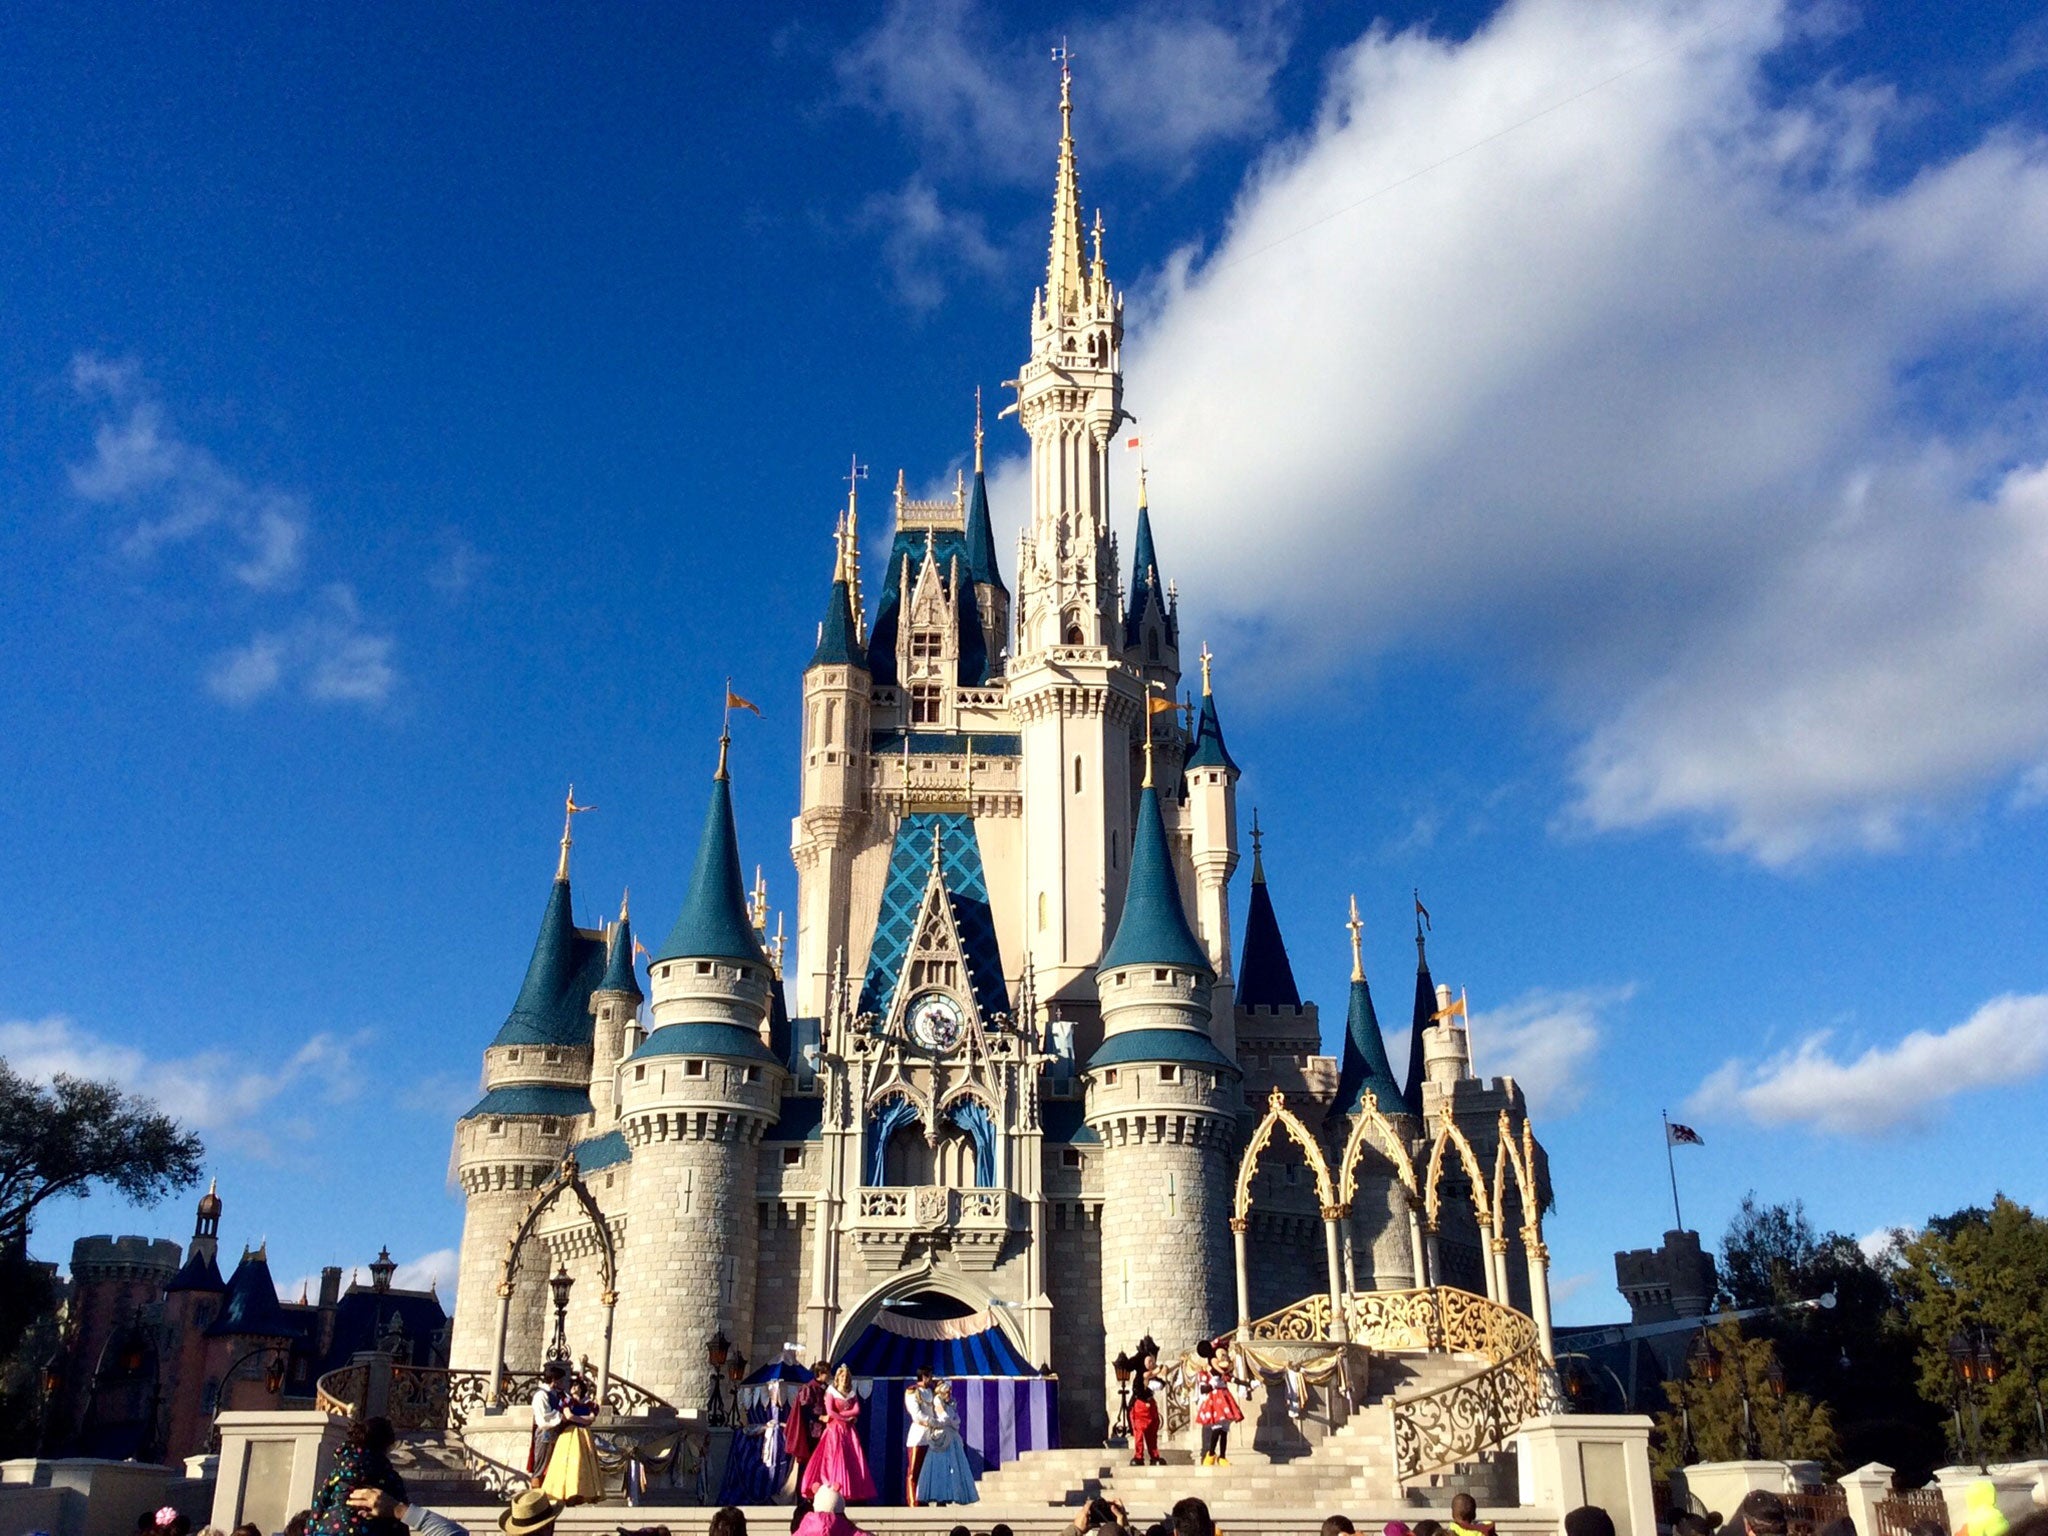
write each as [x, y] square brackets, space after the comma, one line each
[1365, 1059]
[1209, 750]
[910, 863]
[1425, 1005]
[251, 1308]
[606, 1151]
[803, 1119]
[619, 972]
[714, 924]
[553, 1007]
[1062, 1120]
[731, 1041]
[1265, 978]
[778, 1022]
[532, 1099]
[1189, 1046]
[1146, 587]
[1153, 930]
[906, 558]
[981, 538]
[838, 642]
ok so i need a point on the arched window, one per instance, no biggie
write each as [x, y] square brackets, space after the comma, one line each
[1152, 645]
[908, 1157]
[1043, 907]
[831, 721]
[1074, 635]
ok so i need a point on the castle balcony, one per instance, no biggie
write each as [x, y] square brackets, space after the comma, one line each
[895, 1224]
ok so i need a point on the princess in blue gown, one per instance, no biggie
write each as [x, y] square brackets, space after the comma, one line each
[947, 1478]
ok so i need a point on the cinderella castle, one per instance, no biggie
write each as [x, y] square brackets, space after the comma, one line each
[997, 1098]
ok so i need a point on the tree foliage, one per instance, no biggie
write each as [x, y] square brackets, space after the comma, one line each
[1791, 1427]
[66, 1137]
[1982, 1273]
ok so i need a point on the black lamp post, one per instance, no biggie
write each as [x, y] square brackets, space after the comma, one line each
[560, 1283]
[717, 1351]
[1120, 1431]
[1974, 1355]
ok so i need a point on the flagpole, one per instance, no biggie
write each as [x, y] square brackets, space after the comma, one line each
[1671, 1163]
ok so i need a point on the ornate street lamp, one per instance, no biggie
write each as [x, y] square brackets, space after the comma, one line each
[717, 1351]
[1974, 1355]
[560, 1284]
[1124, 1366]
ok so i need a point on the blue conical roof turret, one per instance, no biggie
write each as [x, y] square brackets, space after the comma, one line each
[620, 974]
[1153, 929]
[838, 636]
[1209, 750]
[1265, 977]
[251, 1307]
[1365, 1066]
[1145, 583]
[1425, 1009]
[714, 924]
[981, 537]
[551, 1006]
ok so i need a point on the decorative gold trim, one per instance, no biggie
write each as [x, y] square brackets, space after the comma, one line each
[1369, 1121]
[1279, 1116]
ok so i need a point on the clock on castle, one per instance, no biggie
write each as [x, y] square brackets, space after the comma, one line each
[989, 1113]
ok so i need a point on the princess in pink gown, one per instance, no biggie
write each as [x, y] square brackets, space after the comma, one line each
[838, 1459]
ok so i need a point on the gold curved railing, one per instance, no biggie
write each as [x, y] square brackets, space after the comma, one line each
[1455, 1422]
[433, 1401]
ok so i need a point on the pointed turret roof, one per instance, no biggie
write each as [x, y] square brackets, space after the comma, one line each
[1063, 267]
[1365, 1068]
[714, 923]
[1265, 978]
[1425, 1006]
[1146, 586]
[981, 538]
[620, 975]
[1209, 750]
[838, 636]
[551, 1006]
[200, 1273]
[251, 1307]
[1153, 929]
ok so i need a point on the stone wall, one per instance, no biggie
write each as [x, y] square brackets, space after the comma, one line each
[783, 1279]
[1167, 1267]
[1080, 1348]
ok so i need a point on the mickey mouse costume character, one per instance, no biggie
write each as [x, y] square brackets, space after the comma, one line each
[1146, 1385]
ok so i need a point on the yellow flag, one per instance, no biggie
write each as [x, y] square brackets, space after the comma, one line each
[734, 701]
[1456, 1010]
[1162, 707]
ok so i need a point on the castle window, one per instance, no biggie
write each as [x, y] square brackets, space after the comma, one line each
[1160, 975]
[924, 704]
[497, 1127]
[551, 1055]
[512, 1055]
[1109, 1078]
[753, 1075]
[1077, 775]
[640, 1074]
[1152, 645]
[1043, 905]
[703, 967]
[693, 1069]
[831, 721]
[792, 1157]
[924, 645]
[1070, 1158]
[1169, 1074]
[549, 1127]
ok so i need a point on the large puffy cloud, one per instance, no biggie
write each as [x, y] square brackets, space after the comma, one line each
[1887, 1087]
[1546, 1041]
[1631, 388]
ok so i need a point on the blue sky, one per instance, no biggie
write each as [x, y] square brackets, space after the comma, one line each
[1604, 446]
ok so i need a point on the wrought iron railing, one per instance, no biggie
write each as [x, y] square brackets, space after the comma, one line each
[427, 1400]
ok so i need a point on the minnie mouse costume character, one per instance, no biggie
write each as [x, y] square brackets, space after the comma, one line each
[1216, 1409]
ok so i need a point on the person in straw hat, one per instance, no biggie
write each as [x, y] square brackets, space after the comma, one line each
[531, 1513]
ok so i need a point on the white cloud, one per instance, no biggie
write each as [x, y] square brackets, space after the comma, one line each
[1627, 394]
[1154, 86]
[1886, 1088]
[1545, 1040]
[329, 654]
[438, 1269]
[923, 242]
[224, 1096]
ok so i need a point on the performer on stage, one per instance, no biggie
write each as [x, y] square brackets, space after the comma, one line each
[839, 1460]
[1217, 1412]
[572, 1475]
[1146, 1385]
[948, 1477]
[548, 1400]
[917, 1405]
[806, 1421]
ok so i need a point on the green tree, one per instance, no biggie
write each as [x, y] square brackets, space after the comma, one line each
[1709, 1400]
[67, 1137]
[1982, 1275]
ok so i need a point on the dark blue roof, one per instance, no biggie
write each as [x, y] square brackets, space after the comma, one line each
[1265, 978]
[251, 1307]
[1146, 587]
[803, 1119]
[981, 538]
[553, 1006]
[362, 1321]
[910, 862]
[838, 642]
[199, 1273]
[1065, 1120]
[1365, 1059]
[1425, 1005]
[907, 556]
[1182, 1045]
[619, 972]
[778, 1022]
[533, 1099]
[606, 1151]
[1209, 750]
[1153, 929]
[731, 1041]
[714, 923]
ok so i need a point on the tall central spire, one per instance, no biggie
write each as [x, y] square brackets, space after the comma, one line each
[1064, 280]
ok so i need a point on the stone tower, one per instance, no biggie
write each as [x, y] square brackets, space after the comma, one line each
[1164, 1102]
[694, 1101]
[536, 1096]
[837, 694]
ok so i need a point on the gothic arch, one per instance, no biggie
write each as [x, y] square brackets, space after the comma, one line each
[1509, 1158]
[1448, 1135]
[1372, 1126]
[568, 1179]
[957, 1287]
[1280, 1117]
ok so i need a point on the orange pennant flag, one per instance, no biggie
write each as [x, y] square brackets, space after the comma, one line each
[734, 701]
[1162, 707]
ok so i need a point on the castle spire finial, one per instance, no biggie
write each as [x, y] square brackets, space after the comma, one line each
[570, 811]
[977, 429]
[1357, 943]
[1206, 659]
[626, 904]
[1258, 850]
[724, 753]
[1063, 276]
[1151, 707]
[760, 902]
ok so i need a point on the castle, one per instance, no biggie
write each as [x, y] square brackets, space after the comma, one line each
[1000, 1092]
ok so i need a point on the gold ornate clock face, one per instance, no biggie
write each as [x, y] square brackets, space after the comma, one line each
[936, 1022]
